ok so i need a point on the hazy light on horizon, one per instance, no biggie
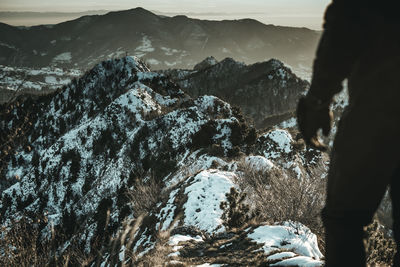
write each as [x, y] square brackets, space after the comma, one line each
[304, 13]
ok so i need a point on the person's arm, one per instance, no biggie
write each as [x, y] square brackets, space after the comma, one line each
[338, 49]
[337, 52]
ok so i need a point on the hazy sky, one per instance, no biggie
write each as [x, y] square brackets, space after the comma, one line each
[299, 13]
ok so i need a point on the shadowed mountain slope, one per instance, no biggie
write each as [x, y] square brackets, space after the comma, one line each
[164, 42]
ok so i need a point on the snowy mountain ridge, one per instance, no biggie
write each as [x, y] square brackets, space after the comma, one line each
[267, 92]
[75, 163]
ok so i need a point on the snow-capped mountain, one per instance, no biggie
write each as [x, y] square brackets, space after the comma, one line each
[76, 164]
[164, 42]
[267, 92]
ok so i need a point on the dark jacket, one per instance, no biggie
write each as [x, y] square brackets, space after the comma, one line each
[351, 27]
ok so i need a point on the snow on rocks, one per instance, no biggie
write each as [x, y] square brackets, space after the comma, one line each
[145, 47]
[301, 261]
[176, 239]
[208, 265]
[290, 236]
[194, 163]
[166, 214]
[281, 256]
[279, 147]
[281, 143]
[205, 195]
[258, 163]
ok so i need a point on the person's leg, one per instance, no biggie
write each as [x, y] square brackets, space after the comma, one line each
[344, 216]
[395, 195]
[343, 241]
[360, 171]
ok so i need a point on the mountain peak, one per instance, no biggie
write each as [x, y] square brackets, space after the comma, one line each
[134, 13]
[230, 62]
[206, 63]
[265, 91]
[141, 10]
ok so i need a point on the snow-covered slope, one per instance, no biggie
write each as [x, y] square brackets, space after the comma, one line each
[33, 81]
[70, 159]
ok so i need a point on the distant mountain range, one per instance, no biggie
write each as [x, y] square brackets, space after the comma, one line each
[28, 18]
[162, 41]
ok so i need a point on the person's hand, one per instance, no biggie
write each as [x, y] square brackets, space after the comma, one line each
[312, 116]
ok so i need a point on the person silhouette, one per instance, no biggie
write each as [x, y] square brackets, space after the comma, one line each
[361, 43]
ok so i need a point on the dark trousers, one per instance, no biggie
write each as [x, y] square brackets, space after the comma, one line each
[344, 234]
[395, 195]
[364, 162]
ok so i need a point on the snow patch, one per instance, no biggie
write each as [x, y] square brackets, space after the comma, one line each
[205, 195]
[300, 261]
[63, 57]
[281, 256]
[290, 123]
[146, 45]
[279, 141]
[259, 163]
[290, 236]
[176, 239]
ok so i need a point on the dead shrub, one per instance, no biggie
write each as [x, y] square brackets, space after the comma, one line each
[144, 196]
[235, 210]
[276, 195]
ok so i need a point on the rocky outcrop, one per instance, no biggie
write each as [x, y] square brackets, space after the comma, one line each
[267, 92]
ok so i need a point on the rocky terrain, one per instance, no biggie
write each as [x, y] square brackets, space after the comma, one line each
[162, 41]
[267, 92]
[122, 167]
[18, 80]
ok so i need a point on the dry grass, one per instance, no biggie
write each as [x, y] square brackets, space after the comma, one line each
[144, 196]
[19, 246]
[124, 241]
[275, 196]
[22, 245]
